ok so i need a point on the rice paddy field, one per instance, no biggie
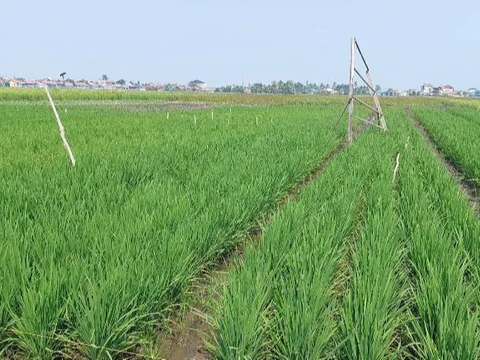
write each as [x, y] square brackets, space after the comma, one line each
[363, 263]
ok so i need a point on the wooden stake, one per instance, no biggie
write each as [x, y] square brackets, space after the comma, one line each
[60, 128]
[195, 120]
[212, 114]
[396, 167]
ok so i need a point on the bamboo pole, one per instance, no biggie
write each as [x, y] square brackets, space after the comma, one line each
[60, 128]
[350, 93]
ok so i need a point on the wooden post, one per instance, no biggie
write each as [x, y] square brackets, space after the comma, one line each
[60, 128]
[350, 93]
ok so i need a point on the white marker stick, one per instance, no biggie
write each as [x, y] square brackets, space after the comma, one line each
[396, 168]
[60, 128]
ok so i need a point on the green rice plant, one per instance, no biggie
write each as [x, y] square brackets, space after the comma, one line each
[456, 131]
[41, 306]
[445, 298]
[301, 250]
[391, 282]
[110, 247]
[373, 309]
[92, 258]
[243, 335]
[303, 298]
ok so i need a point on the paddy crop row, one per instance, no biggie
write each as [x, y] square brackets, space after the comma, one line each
[455, 130]
[92, 258]
[361, 266]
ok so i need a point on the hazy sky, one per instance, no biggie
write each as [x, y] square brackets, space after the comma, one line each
[221, 42]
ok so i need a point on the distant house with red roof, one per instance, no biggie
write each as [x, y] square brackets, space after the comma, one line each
[447, 90]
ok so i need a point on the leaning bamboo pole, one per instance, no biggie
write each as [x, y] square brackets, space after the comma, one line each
[60, 128]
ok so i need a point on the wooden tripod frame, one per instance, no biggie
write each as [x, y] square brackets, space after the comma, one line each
[367, 80]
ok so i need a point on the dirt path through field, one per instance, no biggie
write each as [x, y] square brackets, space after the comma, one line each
[467, 187]
[185, 342]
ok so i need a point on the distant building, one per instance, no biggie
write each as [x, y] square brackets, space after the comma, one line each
[28, 84]
[331, 91]
[447, 90]
[382, 92]
[442, 90]
[12, 84]
[392, 92]
[81, 85]
[197, 85]
[473, 92]
[426, 90]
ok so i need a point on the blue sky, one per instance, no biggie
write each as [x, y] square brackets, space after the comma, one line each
[221, 42]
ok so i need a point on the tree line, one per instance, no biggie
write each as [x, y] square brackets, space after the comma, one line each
[290, 87]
